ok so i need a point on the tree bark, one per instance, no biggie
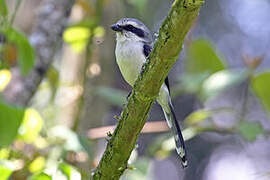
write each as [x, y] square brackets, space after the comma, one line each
[133, 117]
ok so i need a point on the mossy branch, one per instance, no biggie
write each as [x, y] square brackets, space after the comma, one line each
[133, 117]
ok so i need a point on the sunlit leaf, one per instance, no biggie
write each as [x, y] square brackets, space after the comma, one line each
[198, 116]
[4, 153]
[3, 8]
[10, 121]
[77, 37]
[26, 55]
[31, 125]
[250, 130]
[37, 164]
[99, 32]
[69, 171]
[221, 80]
[6, 169]
[202, 58]
[114, 96]
[5, 77]
[261, 87]
[40, 176]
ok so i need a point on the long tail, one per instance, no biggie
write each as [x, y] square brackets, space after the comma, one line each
[178, 137]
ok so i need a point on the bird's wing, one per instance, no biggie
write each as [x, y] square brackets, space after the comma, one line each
[146, 51]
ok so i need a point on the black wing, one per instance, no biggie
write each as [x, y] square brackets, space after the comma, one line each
[167, 84]
[146, 51]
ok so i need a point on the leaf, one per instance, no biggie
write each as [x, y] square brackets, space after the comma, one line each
[99, 32]
[5, 77]
[4, 153]
[250, 130]
[6, 169]
[77, 37]
[202, 58]
[26, 55]
[221, 80]
[198, 116]
[10, 121]
[114, 96]
[69, 171]
[37, 164]
[40, 176]
[31, 125]
[3, 8]
[261, 86]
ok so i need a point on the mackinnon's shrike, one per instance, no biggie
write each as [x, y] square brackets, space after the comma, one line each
[134, 43]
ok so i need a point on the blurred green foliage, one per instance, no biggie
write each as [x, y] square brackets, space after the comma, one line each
[24, 52]
[6, 168]
[10, 121]
[261, 86]
[3, 8]
[250, 130]
[202, 58]
[57, 152]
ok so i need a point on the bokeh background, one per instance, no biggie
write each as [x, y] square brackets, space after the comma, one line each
[220, 87]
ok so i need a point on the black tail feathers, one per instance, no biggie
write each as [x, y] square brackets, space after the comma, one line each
[179, 140]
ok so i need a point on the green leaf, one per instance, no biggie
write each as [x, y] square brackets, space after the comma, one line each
[198, 116]
[40, 176]
[261, 86]
[37, 164]
[77, 37]
[26, 55]
[6, 168]
[10, 121]
[114, 96]
[3, 8]
[221, 80]
[69, 171]
[202, 58]
[31, 126]
[250, 130]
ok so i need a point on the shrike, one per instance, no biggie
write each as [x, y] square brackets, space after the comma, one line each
[134, 43]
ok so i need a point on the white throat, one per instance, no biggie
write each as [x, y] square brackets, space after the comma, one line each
[130, 58]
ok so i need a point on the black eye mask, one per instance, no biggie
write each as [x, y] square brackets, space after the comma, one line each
[134, 30]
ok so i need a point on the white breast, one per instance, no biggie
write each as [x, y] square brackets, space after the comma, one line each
[130, 58]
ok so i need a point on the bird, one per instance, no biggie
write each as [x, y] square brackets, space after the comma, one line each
[134, 42]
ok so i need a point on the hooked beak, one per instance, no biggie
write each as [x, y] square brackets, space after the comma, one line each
[116, 28]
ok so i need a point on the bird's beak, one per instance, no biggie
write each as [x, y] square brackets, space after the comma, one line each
[116, 28]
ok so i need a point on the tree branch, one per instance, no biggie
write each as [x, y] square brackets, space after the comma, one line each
[45, 38]
[146, 89]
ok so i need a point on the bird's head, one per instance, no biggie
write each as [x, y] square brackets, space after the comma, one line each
[130, 29]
